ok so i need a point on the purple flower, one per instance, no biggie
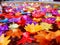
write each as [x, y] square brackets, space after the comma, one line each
[30, 22]
[49, 20]
[1, 32]
[3, 27]
[54, 12]
[43, 9]
[27, 18]
[13, 20]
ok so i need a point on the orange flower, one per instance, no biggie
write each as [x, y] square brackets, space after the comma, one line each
[17, 14]
[41, 38]
[57, 18]
[37, 19]
[14, 33]
[58, 39]
[50, 36]
[57, 34]
[44, 38]
[58, 24]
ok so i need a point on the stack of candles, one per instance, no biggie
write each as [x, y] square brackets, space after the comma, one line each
[29, 24]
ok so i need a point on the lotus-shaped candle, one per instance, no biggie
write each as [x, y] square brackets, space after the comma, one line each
[37, 14]
[24, 19]
[18, 13]
[58, 24]
[40, 37]
[4, 40]
[22, 12]
[3, 28]
[4, 20]
[44, 37]
[48, 7]
[54, 12]
[57, 34]
[13, 20]
[13, 26]
[45, 26]
[48, 15]
[14, 33]
[57, 18]
[26, 38]
[30, 9]
[49, 20]
[37, 19]
[59, 11]
[32, 28]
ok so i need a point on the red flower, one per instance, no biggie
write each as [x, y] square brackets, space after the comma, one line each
[25, 38]
[8, 16]
[22, 22]
[37, 14]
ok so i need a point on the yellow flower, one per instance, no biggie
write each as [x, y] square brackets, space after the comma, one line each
[58, 11]
[4, 40]
[47, 6]
[32, 28]
[37, 19]
[30, 8]
[57, 18]
[46, 26]
[56, 6]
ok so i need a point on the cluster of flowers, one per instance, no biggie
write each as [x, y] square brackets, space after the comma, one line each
[28, 23]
